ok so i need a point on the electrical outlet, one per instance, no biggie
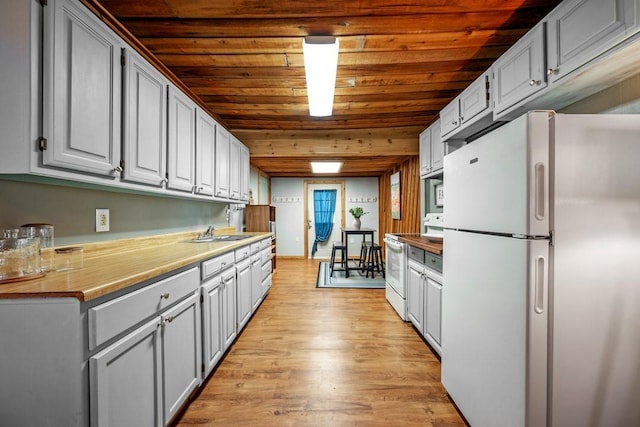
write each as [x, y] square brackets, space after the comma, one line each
[102, 220]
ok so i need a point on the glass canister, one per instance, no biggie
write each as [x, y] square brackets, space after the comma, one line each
[19, 256]
[70, 258]
[45, 232]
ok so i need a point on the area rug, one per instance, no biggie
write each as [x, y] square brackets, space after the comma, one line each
[356, 279]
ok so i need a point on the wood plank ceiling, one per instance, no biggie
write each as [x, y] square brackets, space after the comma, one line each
[400, 62]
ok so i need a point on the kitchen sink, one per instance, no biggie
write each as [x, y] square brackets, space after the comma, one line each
[220, 238]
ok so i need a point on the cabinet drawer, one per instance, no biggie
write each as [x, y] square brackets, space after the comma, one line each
[266, 255]
[255, 247]
[266, 243]
[243, 253]
[433, 261]
[416, 254]
[215, 265]
[113, 317]
[265, 269]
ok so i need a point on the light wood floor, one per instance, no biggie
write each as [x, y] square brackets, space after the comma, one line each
[324, 357]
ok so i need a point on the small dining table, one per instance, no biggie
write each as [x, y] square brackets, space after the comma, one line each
[346, 232]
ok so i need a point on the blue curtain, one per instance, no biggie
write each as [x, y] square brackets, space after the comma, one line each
[324, 205]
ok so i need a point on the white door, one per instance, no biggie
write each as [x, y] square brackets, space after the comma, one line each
[324, 249]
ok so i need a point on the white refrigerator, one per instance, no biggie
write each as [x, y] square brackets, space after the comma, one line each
[541, 273]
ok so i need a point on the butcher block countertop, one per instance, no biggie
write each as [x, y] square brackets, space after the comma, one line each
[422, 243]
[112, 266]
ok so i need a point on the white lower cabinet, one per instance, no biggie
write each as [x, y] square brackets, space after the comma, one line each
[144, 377]
[256, 280]
[124, 380]
[244, 284]
[433, 321]
[212, 317]
[181, 354]
[415, 294]
[218, 309]
[229, 328]
[131, 359]
[424, 301]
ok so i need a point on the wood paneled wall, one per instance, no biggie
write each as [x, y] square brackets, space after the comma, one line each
[409, 221]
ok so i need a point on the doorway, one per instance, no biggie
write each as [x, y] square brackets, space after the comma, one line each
[324, 249]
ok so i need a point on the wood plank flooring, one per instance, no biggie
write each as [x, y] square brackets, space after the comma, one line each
[324, 357]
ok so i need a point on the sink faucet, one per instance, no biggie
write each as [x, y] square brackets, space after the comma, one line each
[207, 233]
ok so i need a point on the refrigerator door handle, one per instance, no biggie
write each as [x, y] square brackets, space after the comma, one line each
[540, 284]
[539, 207]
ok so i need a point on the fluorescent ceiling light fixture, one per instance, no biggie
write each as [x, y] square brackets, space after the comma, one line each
[320, 67]
[326, 167]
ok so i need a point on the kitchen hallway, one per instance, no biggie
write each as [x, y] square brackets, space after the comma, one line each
[324, 357]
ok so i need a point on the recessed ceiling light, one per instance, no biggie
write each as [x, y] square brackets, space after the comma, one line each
[326, 167]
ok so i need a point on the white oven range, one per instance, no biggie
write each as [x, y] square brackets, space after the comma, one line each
[396, 269]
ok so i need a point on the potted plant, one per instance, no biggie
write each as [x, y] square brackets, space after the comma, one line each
[357, 212]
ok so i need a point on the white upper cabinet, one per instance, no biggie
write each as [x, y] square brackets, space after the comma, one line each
[425, 152]
[82, 87]
[223, 146]
[181, 141]
[520, 72]
[470, 111]
[235, 169]
[579, 30]
[239, 171]
[144, 122]
[590, 45]
[205, 153]
[437, 148]
[450, 117]
[244, 173]
[474, 100]
[433, 150]
[632, 14]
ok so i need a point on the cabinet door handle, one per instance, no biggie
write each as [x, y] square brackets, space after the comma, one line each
[552, 71]
[117, 169]
[165, 295]
[169, 319]
[534, 82]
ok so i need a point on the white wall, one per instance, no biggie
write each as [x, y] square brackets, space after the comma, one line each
[287, 195]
